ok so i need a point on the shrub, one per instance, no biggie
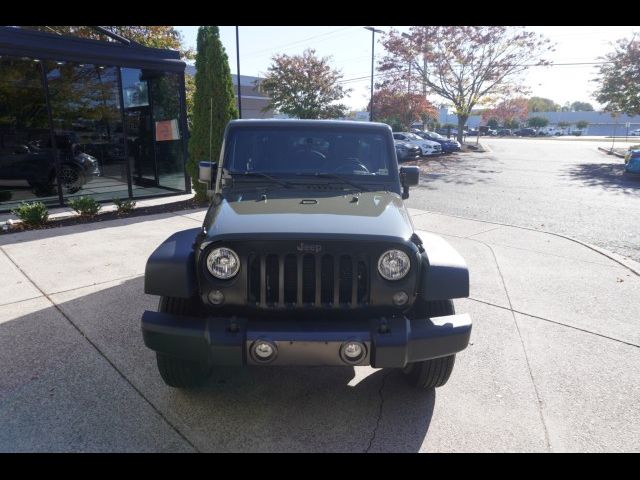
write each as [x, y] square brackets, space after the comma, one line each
[5, 195]
[124, 206]
[33, 214]
[85, 206]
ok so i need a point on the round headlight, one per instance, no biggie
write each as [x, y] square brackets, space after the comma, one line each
[223, 263]
[394, 264]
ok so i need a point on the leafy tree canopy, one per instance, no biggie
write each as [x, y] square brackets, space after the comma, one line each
[467, 65]
[619, 79]
[304, 86]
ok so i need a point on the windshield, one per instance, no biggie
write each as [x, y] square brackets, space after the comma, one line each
[307, 151]
[413, 136]
[435, 135]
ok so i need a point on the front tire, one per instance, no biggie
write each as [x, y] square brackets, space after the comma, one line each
[175, 371]
[432, 373]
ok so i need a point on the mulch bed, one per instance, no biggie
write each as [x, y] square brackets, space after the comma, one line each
[106, 216]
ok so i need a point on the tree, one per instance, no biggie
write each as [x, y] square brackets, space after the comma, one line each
[493, 123]
[540, 104]
[537, 122]
[582, 124]
[391, 103]
[619, 79]
[214, 103]
[564, 124]
[154, 36]
[509, 112]
[465, 65]
[581, 107]
[304, 86]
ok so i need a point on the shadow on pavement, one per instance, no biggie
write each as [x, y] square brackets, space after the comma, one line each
[40, 234]
[460, 169]
[58, 394]
[610, 176]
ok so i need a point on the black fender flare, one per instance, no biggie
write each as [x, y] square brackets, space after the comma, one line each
[444, 273]
[170, 270]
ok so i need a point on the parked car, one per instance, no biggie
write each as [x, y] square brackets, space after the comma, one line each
[34, 163]
[406, 150]
[448, 144]
[473, 132]
[635, 133]
[504, 132]
[632, 162]
[427, 147]
[525, 132]
[306, 260]
[550, 132]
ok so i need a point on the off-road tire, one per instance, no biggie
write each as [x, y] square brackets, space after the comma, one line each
[179, 372]
[436, 372]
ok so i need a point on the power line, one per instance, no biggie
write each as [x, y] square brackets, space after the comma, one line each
[326, 34]
[347, 80]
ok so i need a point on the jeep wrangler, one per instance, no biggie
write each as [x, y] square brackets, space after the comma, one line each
[306, 256]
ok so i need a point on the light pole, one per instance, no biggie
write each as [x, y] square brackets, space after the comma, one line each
[373, 43]
[238, 63]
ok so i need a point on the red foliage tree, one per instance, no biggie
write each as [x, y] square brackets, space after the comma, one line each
[462, 64]
[401, 106]
[509, 112]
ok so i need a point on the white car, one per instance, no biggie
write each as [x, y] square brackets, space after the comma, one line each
[635, 133]
[427, 147]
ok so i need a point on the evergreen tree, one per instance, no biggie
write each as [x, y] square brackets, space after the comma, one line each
[214, 103]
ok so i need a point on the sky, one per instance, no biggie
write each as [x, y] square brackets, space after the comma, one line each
[350, 52]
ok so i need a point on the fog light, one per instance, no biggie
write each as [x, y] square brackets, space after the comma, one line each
[216, 297]
[400, 298]
[352, 352]
[263, 351]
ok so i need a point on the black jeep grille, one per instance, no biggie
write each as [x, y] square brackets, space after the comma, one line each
[304, 280]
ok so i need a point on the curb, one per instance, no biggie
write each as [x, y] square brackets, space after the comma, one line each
[610, 152]
[629, 264]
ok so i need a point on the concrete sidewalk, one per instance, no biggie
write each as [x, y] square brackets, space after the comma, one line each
[553, 364]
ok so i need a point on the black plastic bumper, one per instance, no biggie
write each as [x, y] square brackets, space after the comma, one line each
[388, 342]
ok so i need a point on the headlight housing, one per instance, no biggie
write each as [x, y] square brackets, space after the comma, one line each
[394, 264]
[223, 263]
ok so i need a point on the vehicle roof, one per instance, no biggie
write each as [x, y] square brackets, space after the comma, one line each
[273, 122]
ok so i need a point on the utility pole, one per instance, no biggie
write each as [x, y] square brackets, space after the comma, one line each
[373, 44]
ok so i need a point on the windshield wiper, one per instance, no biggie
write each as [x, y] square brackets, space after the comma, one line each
[284, 183]
[333, 176]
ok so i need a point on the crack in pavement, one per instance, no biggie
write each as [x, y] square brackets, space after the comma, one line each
[554, 322]
[379, 417]
[103, 355]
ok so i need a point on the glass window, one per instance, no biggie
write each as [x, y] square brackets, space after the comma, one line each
[307, 151]
[154, 129]
[87, 122]
[27, 161]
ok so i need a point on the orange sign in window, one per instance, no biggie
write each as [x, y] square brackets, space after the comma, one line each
[167, 130]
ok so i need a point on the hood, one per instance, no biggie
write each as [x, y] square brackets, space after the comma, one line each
[329, 213]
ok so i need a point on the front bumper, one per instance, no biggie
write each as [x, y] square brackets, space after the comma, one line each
[388, 342]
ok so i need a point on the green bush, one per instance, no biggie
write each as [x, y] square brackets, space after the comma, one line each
[85, 206]
[33, 214]
[5, 195]
[124, 206]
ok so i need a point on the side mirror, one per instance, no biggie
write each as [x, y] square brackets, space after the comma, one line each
[409, 177]
[207, 171]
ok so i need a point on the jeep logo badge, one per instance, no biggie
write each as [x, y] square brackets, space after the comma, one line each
[308, 247]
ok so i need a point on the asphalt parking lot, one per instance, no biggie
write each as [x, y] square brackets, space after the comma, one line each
[563, 185]
[552, 364]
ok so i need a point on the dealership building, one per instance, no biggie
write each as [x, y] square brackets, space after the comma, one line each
[105, 119]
